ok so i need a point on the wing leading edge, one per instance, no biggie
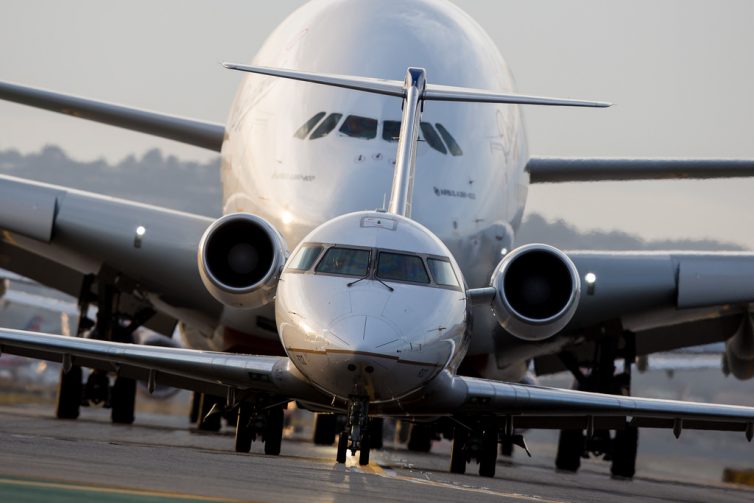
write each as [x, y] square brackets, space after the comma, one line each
[194, 132]
[561, 170]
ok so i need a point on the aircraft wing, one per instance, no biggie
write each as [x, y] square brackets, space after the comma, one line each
[194, 132]
[232, 375]
[556, 170]
[57, 236]
[204, 371]
[544, 407]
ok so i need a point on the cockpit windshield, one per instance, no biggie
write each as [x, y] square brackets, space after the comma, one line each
[366, 128]
[346, 261]
[305, 258]
[400, 267]
[442, 272]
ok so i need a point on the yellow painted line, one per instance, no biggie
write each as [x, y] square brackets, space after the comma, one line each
[113, 490]
[743, 477]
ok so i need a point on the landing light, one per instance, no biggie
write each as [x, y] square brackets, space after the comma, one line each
[140, 231]
[591, 280]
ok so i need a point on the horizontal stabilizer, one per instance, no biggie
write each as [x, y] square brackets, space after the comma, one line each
[432, 92]
[200, 134]
[558, 170]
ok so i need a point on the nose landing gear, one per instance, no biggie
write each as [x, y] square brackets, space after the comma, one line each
[355, 436]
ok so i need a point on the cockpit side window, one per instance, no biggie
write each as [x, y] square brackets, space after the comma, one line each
[432, 138]
[391, 130]
[345, 261]
[401, 267]
[305, 258]
[442, 272]
[304, 130]
[359, 127]
[326, 126]
[455, 149]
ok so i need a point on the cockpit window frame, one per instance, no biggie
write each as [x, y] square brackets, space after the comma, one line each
[422, 261]
[372, 267]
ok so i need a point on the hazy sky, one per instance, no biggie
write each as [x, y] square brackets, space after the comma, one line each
[680, 72]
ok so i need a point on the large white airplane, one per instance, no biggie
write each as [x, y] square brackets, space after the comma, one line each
[381, 142]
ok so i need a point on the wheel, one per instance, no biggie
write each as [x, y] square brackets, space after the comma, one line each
[506, 447]
[570, 449]
[123, 400]
[213, 422]
[342, 448]
[325, 428]
[458, 450]
[69, 394]
[364, 449]
[488, 453]
[274, 431]
[196, 399]
[420, 438]
[243, 430]
[624, 452]
[375, 432]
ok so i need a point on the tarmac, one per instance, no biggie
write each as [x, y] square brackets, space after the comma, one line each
[160, 458]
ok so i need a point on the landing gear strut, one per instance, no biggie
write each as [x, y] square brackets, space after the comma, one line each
[602, 378]
[355, 436]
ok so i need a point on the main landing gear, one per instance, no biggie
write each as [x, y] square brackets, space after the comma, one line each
[259, 420]
[476, 439]
[110, 325]
[356, 435]
[620, 448]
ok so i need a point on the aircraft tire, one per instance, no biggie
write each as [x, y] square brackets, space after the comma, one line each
[342, 448]
[624, 452]
[196, 399]
[488, 454]
[570, 449]
[69, 394]
[123, 400]
[325, 429]
[375, 432]
[364, 449]
[273, 437]
[212, 423]
[243, 431]
[506, 447]
[458, 451]
[420, 438]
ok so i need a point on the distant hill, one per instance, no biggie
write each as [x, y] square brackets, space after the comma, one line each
[195, 187]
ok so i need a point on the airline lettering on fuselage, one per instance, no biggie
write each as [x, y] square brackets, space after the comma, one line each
[454, 193]
[294, 177]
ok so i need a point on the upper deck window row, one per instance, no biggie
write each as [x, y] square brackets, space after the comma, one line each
[365, 128]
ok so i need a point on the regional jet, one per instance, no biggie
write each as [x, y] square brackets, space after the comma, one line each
[382, 143]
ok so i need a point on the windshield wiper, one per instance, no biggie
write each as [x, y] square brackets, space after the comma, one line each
[375, 278]
[360, 279]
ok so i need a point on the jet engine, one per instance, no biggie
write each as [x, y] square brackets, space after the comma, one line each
[240, 258]
[739, 350]
[537, 291]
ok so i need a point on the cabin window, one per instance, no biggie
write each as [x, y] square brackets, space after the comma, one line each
[453, 146]
[432, 138]
[400, 267]
[442, 272]
[346, 261]
[305, 258]
[304, 130]
[326, 126]
[359, 127]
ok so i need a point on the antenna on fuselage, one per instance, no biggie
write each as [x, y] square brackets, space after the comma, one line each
[415, 91]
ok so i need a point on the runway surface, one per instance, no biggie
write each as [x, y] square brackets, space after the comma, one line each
[159, 459]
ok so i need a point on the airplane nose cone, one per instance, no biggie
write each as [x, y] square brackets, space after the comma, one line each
[364, 333]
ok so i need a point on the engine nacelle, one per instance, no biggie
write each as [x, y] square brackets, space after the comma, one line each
[240, 259]
[537, 291]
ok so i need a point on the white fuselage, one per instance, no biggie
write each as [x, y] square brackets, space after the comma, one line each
[472, 201]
